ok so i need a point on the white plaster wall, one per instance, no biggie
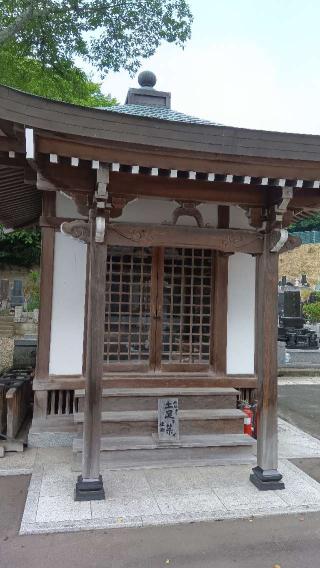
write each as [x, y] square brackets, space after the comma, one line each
[66, 207]
[160, 211]
[238, 218]
[67, 325]
[241, 314]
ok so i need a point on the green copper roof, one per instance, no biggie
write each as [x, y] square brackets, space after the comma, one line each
[159, 112]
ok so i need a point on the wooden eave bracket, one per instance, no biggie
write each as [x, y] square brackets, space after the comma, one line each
[281, 208]
[79, 229]
[283, 235]
[101, 199]
[281, 241]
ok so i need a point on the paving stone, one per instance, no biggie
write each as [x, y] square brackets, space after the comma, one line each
[189, 502]
[301, 494]
[126, 483]
[225, 476]
[175, 479]
[54, 455]
[161, 496]
[294, 443]
[123, 509]
[52, 509]
[18, 463]
[249, 497]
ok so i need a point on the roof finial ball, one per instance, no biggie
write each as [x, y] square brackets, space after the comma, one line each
[147, 79]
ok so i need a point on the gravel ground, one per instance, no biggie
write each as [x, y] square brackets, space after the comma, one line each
[6, 353]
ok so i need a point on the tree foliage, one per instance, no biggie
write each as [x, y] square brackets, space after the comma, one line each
[312, 312]
[310, 224]
[68, 84]
[32, 290]
[20, 248]
[110, 34]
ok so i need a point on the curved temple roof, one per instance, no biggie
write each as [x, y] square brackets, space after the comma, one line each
[157, 112]
[147, 134]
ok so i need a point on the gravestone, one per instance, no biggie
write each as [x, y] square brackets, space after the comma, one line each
[292, 310]
[17, 298]
[168, 420]
[25, 353]
[4, 289]
[291, 328]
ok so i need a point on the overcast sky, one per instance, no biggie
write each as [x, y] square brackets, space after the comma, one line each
[250, 63]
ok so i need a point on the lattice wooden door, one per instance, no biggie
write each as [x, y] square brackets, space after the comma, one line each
[127, 323]
[158, 309]
[187, 301]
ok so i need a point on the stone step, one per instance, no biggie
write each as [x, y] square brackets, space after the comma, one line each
[177, 380]
[114, 443]
[195, 421]
[147, 398]
[6, 333]
[144, 452]
[6, 326]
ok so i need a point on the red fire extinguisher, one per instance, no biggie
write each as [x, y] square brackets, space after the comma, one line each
[247, 426]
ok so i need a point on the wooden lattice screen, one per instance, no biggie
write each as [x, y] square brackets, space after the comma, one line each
[158, 303]
[127, 323]
[187, 296]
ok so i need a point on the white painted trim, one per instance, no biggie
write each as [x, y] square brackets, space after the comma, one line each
[68, 306]
[30, 150]
[241, 314]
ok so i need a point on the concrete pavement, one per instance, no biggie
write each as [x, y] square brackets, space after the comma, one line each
[300, 405]
[290, 541]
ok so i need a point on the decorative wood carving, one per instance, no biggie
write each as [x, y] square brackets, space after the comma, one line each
[225, 240]
[82, 201]
[77, 229]
[118, 202]
[186, 209]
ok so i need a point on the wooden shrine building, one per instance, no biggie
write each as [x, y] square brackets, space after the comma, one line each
[160, 241]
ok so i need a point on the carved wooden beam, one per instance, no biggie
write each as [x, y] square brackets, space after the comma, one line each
[225, 240]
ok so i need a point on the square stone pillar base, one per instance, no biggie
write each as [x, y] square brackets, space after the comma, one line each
[267, 479]
[89, 489]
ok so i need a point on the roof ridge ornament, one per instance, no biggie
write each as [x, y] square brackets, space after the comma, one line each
[146, 94]
[147, 79]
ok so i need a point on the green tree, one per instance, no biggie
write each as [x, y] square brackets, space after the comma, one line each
[109, 34]
[312, 312]
[32, 290]
[68, 83]
[309, 224]
[20, 248]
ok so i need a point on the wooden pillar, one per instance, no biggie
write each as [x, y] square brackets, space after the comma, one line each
[265, 475]
[220, 312]
[90, 484]
[220, 300]
[46, 289]
[45, 312]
